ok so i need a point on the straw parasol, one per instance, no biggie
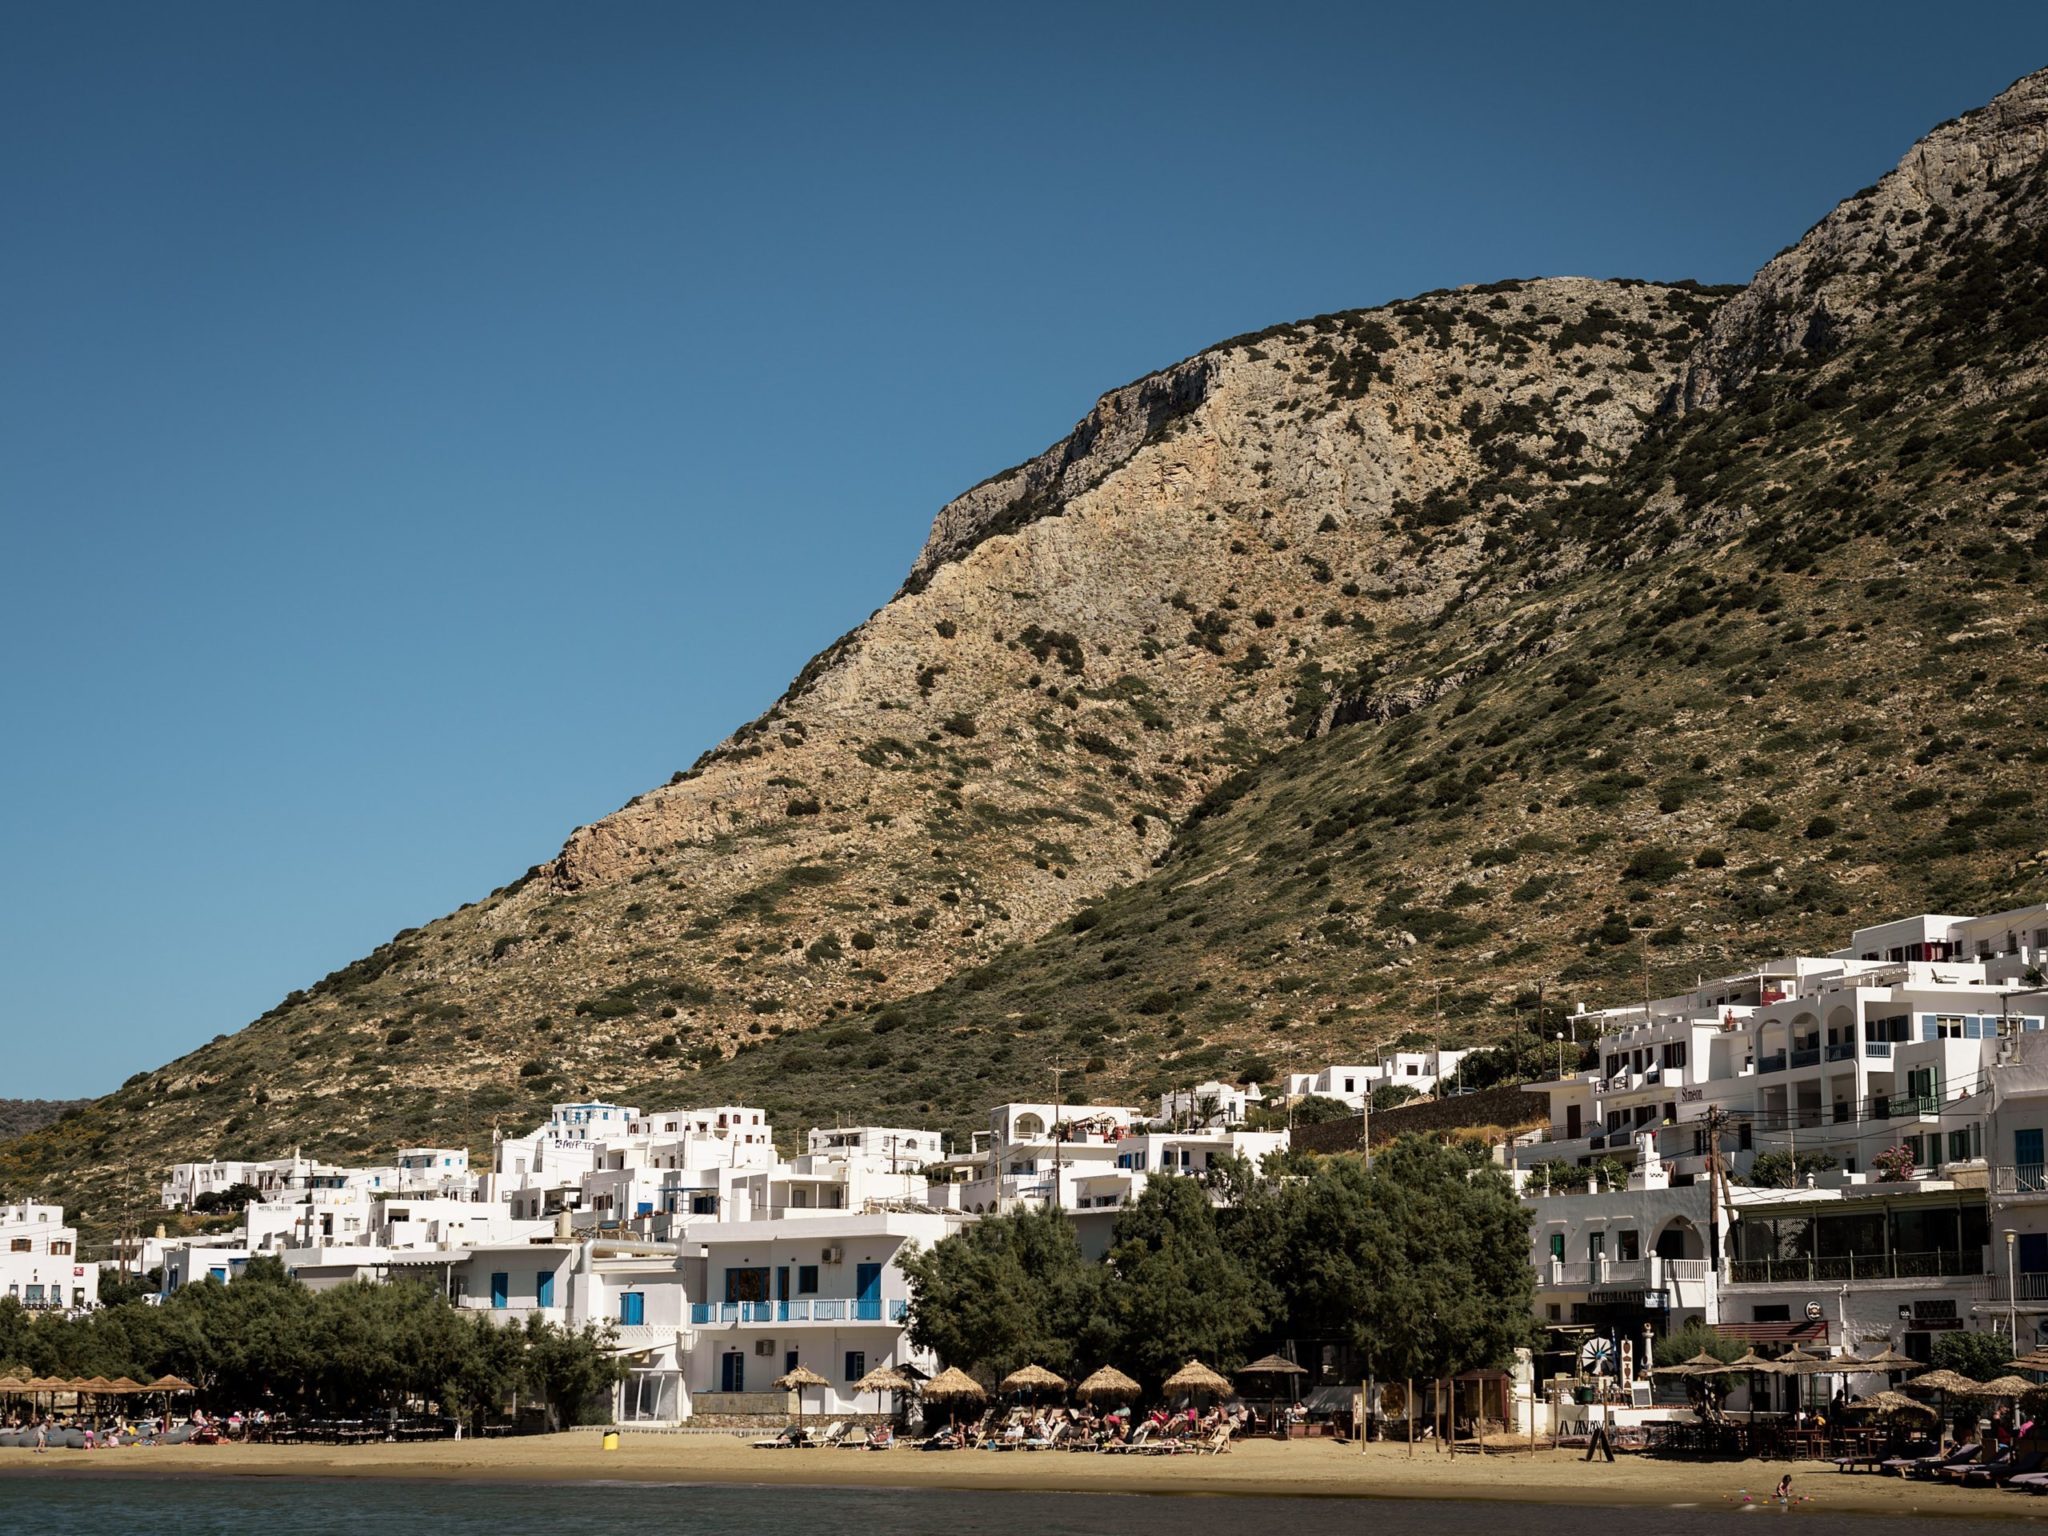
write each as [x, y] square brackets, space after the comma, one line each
[124, 1384]
[1943, 1381]
[2035, 1360]
[954, 1385]
[1109, 1385]
[795, 1381]
[2004, 1386]
[1195, 1380]
[1034, 1378]
[1701, 1364]
[882, 1379]
[1753, 1365]
[170, 1384]
[1888, 1360]
[1890, 1402]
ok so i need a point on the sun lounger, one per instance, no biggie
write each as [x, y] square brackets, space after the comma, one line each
[1217, 1444]
[1930, 1466]
[784, 1440]
[2013, 1464]
[1141, 1437]
[835, 1434]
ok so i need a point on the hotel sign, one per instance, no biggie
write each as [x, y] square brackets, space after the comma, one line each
[1691, 1095]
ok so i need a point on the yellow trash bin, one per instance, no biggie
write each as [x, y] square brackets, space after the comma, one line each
[611, 1439]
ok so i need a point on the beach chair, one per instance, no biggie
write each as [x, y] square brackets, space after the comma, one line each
[2015, 1463]
[835, 1434]
[1217, 1443]
[782, 1440]
[882, 1438]
[1931, 1466]
[1141, 1437]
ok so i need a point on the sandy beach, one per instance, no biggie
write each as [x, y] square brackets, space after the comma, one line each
[1261, 1467]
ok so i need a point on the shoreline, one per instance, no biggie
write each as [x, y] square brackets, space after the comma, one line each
[1252, 1469]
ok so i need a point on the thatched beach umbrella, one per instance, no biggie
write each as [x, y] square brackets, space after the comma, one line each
[795, 1381]
[2004, 1386]
[1701, 1364]
[1034, 1378]
[1109, 1385]
[1887, 1360]
[1195, 1380]
[1890, 1402]
[1944, 1382]
[170, 1384]
[1277, 1375]
[954, 1385]
[1753, 1365]
[883, 1379]
[2033, 1360]
[125, 1385]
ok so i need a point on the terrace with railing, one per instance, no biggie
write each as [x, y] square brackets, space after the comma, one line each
[1932, 1264]
[814, 1310]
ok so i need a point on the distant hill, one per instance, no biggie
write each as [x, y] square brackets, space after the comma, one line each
[1331, 689]
[20, 1116]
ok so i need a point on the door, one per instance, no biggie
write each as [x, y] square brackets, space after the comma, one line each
[732, 1372]
[632, 1308]
[2026, 1157]
[1571, 1122]
[868, 1292]
[501, 1289]
[2033, 1265]
[544, 1288]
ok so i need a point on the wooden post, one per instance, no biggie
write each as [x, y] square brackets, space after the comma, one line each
[1409, 1390]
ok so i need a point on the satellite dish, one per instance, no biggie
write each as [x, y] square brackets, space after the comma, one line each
[1596, 1357]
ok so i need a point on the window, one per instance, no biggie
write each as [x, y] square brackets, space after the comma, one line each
[19, 1245]
[632, 1308]
[1628, 1247]
[746, 1284]
[1780, 1312]
[1556, 1311]
[544, 1288]
[60, 1247]
[807, 1279]
[703, 1205]
[856, 1364]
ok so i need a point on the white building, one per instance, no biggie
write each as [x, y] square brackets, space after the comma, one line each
[825, 1292]
[39, 1263]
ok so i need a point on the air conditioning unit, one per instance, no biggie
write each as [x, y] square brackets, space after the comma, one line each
[833, 1255]
[764, 1346]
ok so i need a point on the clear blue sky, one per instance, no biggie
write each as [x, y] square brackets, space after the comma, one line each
[423, 427]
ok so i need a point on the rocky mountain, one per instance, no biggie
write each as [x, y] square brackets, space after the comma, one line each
[1339, 685]
[20, 1116]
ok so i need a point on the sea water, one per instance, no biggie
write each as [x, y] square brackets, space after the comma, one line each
[185, 1506]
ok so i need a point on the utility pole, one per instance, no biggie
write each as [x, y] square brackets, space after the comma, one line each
[1714, 1189]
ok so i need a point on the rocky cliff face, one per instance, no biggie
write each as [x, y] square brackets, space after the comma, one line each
[1981, 171]
[1383, 660]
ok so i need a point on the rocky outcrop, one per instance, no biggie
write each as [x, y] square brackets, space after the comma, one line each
[1980, 168]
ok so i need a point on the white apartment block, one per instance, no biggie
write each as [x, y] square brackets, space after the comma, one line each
[1912, 1064]
[39, 1263]
[1420, 1071]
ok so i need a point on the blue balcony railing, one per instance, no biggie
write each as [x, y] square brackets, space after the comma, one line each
[1771, 1063]
[1842, 1050]
[1806, 1056]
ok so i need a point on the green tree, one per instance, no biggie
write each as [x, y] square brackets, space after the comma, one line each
[1391, 1095]
[1008, 1291]
[1174, 1292]
[1319, 1110]
[1979, 1356]
[570, 1371]
[1448, 1287]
